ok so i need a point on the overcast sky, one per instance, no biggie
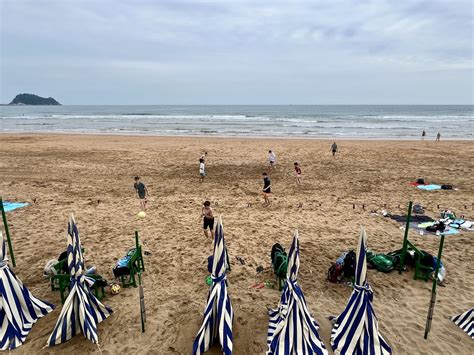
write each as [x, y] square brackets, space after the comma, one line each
[238, 52]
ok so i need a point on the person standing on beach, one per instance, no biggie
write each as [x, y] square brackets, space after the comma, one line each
[208, 218]
[267, 190]
[423, 134]
[202, 169]
[271, 159]
[298, 173]
[334, 149]
[438, 136]
[142, 192]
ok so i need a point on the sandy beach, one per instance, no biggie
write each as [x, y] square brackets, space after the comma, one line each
[92, 176]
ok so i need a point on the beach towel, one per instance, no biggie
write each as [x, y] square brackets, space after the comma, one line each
[10, 206]
[429, 187]
[414, 219]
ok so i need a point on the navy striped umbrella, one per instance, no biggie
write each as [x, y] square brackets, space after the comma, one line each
[218, 314]
[82, 311]
[19, 309]
[356, 329]
[292, 329]
[465, 321]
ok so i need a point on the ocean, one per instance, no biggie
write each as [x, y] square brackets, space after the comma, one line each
[302, 121]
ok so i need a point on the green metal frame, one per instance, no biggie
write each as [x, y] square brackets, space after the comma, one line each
[429, 318]
[422, 272]
[135, 265]
[7, 232]
[61, 282]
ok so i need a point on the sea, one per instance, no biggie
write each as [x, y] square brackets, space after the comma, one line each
[286, 121]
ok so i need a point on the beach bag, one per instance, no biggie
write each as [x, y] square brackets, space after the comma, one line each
[418, 209]
[420, 181]
[349, 264]
[121, 268]
[335, 273]
[446, 187]
[436, 227]
[382, 262]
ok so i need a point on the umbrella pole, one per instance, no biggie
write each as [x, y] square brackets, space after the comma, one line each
[405, 239]
[7, 232]
[429, 318]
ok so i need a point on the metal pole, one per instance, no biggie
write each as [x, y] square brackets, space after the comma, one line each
[142, 302]
[429, 318]
[7, 232]
[405, 239]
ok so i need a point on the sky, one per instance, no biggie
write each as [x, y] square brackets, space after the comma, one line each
[238, 52]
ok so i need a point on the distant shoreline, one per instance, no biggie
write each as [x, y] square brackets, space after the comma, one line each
[241, 137]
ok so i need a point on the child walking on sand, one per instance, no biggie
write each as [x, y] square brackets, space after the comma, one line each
[208, 218]
[142, 192]
[298, 173]
[267, 190]
[271, 159]
[334, 149]
[202, 169]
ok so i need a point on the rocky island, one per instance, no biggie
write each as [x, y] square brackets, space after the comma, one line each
[30, 99]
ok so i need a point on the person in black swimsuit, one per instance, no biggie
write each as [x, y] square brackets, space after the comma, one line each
[208, 218]
[267, 190]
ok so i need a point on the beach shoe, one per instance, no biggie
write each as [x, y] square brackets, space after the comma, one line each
[240, 260]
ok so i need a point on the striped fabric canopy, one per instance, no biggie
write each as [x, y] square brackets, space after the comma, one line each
[218, 314]
[82, 311]
[465, 321]
[356, 329]
[292, 330]
[19, 309]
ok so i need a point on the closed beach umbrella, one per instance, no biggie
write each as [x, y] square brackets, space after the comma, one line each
[465, 321]
[82, 311]
[292, 329]
[218, 314]
[356, 329]
[19, 309]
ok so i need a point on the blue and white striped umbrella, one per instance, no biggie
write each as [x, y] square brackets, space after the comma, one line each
[82, 311]
[19, 309]
[465, 321]
[356, 329]
[218, 314]
[292, 330]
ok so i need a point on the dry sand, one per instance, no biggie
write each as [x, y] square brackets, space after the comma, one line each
[92, 176]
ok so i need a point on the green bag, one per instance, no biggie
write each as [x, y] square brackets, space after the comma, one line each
[280, 264]
[382, 262]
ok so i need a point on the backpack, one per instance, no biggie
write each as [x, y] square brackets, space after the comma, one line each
[335, 273]
[279, 260]
[349, 264]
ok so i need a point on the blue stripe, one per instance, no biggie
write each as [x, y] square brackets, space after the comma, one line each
[346, 335]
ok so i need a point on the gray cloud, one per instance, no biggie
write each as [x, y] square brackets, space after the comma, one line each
[166, 52]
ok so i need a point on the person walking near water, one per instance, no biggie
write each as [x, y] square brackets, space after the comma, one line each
[423, 134]
[334, 149]
[438, 136]
[267, 190]
[208, 218]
